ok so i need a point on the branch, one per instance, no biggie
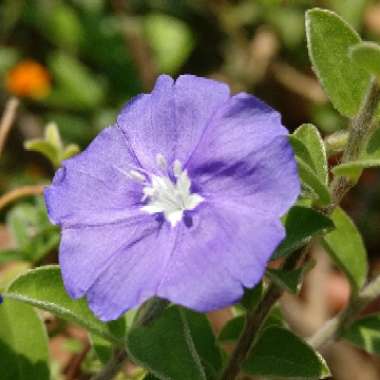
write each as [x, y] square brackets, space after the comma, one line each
[361, 129]
[20, 192]
[112, 368]
[7, 120]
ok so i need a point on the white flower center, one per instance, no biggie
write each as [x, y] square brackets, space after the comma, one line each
[168, 197]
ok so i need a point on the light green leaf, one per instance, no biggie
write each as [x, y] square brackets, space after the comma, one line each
[312, 182]
[301, 224]
[329, 39]
[23, 343]
[45, 148]
[43, 287]
[282, 355]
[350, 10]
[365, 333]
[367, 56]
[77, 88]
[373, 147]
[313, 141]
[353, 168]
[165, 347]
[171, 40]
[346, 248]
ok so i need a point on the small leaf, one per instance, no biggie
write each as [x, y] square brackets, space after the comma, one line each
[70, 150]
[353, 168]
[365, 333]
[329, 39]
[346, 248]
[288, 280]
[45, 148]
[53, 136]
[301, 224]
[373, 147]
[312, 140]
[282, 355]
[311, 180]
[23, 343]
[165, 347]
[367, 56]
[171, 41]
[43, 287]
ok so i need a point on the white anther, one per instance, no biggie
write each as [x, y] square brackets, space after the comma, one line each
[177, 168]
[137, 176]
[161, 162]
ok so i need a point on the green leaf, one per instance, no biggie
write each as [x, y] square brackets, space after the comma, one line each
[171, 41]
[329, 40]
[77, 87]
[353, 168]
[34, 235]
[43, 287]
[367, 56]
[365, 333]
[311, 138]
[373, 147]
[165, 347]
[301, 224]
[288, 280]
[204, 340]
[282, 355]
[311, 181]
[232, 329]
[23, 343]
[346, 248]
[45, 148]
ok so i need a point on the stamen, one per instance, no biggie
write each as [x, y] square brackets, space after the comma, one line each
[137, 176]
[168, 196]
[177, 168]
[161, 162]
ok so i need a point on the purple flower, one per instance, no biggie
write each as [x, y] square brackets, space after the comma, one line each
[180, 200]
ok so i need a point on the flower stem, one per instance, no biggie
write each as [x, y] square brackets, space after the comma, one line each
[360, 131]
[112, 368]
[7, 120]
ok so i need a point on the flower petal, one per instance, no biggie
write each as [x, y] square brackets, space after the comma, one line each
[86, 252]
[133, 275]
[93, 188]
[245, 157]
[171, 120]
[220, 250]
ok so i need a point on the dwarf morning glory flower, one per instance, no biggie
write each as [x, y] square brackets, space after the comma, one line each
[181, 199]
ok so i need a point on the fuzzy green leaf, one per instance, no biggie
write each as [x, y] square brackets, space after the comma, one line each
[23, 343]
[329, 40]
[311, 181]
[346, 248]
[282, 355]
[43, 288]
[301, 224]
[166, 348]
[367, 56]
[311, 138]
